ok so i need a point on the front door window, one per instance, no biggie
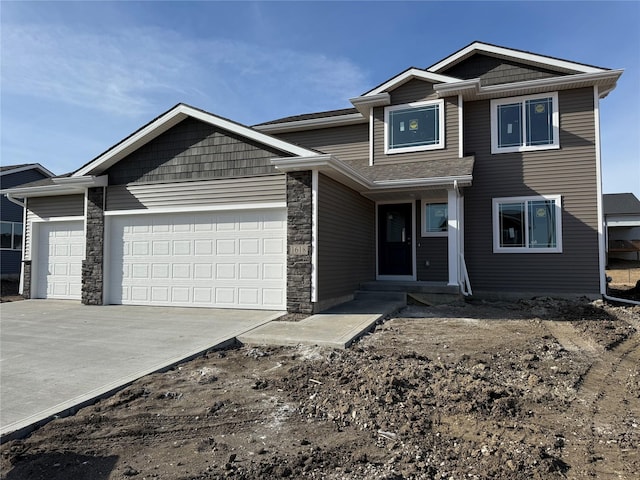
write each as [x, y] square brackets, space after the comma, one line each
[395, 235]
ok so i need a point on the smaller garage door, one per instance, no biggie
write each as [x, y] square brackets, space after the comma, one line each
[59, 263]
[234, 259]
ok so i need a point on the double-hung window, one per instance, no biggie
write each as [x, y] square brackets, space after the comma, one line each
[522, 124]
[10, 236]
[414, 127]
[527, 224]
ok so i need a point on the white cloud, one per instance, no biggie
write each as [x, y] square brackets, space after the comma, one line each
[144, 71]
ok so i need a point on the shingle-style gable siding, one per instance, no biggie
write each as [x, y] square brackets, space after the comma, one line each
[193, 150]
[417, 91]
[493, 71]
[569, 171]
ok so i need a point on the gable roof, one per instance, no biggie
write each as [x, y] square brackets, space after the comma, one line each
[171, 118]
[9, 169]
[620, 204]
[521, 56]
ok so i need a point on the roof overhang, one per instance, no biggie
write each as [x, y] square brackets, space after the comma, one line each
[520, 56]
[312, 123]
[407, 75]
[473, 90]
[365, 103]
[58, 186]
[170, 119]
[343, 173]
[32, 166]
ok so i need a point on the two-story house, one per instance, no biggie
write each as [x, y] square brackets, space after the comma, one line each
[12, 215]
[480, 172]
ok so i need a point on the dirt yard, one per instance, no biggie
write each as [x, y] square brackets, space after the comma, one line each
[535, 390]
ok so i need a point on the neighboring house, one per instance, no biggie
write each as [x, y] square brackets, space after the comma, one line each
[12, 216]
[486, 163]
[622, 222]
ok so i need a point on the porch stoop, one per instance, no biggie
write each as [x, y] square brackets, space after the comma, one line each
[410, 287]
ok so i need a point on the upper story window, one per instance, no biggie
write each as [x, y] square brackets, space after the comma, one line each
[522, 124]
[527, 224]
[414, 127]
[10, 236]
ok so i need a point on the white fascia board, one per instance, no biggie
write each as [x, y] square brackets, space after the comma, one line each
[609, 76]
[172, 118]
[320, 163]
[86, 181]
[454, 88]
[459, 180]
[32, 166]
[313, 123]
[364, 104]
[61, 186]
[479, 47]
[408, 75]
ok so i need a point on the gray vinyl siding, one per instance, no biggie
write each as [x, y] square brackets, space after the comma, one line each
[493, 71]
[193, 150]
[434, 250]
[51, 207]
[349, 143]
[346, 239]
[416, 91]
[262, 189]
[569, 172]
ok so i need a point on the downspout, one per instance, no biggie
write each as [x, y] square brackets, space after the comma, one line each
[13, 200]
[620, 300]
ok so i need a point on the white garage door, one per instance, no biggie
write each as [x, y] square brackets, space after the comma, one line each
[226, 260]
[59, 262]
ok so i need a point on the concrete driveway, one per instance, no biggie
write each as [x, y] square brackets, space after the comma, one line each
[56, 355]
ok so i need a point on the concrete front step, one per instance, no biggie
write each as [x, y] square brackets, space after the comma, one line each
[337, 327]
[409, 287]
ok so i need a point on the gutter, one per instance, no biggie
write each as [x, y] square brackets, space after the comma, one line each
[14, 200]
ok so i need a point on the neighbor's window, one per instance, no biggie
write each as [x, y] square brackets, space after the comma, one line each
[435, 219]
[11, 236]
[414, 127]
[527, 224]
[523, 124]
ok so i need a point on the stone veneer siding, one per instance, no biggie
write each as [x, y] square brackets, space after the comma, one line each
[26, 286]
[92, 266]
[299, 216]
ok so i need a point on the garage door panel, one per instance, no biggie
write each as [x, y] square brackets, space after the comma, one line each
[59, 260]
[229, 259]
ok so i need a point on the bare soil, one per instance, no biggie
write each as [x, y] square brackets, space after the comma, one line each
[535, 390]
[9, 291]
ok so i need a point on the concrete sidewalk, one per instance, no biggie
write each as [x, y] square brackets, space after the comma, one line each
[337, 327]
[57, 356]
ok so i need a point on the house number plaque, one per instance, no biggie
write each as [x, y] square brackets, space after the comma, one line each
[299, 249]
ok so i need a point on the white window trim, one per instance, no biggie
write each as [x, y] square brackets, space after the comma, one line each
[420, 148]
[423, 222]
[496, 225]
[555, 120]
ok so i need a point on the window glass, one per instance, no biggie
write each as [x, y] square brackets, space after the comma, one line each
[436, 217]
[414, 127]
[542, 221]
[511, 224]
[395, 227]
[17, 236]
[539, 121]
[509, 128]
[6, 230]
[527, 224]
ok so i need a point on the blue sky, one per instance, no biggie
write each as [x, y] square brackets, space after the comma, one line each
[77, 77]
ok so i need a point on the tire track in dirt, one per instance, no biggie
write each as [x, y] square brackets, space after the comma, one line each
[604, 388]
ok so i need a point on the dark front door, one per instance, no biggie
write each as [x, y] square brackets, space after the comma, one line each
[395, 234]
